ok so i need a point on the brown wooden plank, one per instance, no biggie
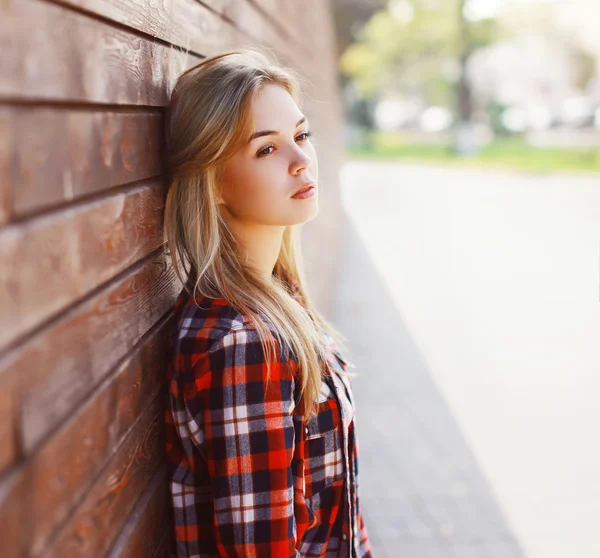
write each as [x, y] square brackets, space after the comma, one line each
[9, 406]
[255, 24]
[179, 21]
[185, 23]
[148, 523]
[64, 467]
[285, 18]
[50, 262]
[95, 523]
[60, 54]
[15, 516]
[61, 365]
[57, 155]
[305, 38]
[6, 163]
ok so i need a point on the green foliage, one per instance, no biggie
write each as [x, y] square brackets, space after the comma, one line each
[507, 152]
[495, 112]
[413, 56]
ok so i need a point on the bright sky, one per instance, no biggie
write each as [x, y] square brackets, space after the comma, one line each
[480, 9]
[474, 9]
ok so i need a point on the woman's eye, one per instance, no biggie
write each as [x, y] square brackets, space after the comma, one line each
[264, 151]
[307, 134]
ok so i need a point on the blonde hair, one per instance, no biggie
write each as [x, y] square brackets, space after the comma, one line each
[208, 120]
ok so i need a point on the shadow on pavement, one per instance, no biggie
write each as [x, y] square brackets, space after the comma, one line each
[422, 492]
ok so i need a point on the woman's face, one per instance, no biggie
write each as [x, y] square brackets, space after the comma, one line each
[261, 178]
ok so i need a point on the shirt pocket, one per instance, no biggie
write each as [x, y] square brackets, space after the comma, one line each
[323, 439]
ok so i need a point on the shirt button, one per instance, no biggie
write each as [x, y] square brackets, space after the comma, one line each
[344, 536]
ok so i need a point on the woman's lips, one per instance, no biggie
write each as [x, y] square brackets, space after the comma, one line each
[307, 192]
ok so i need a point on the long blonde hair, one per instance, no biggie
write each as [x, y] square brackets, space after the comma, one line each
[208, 118]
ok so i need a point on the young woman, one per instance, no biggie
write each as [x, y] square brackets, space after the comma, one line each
[260, 429]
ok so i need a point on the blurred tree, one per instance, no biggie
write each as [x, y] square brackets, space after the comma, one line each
[349, 16]
[584, 63]
[495, 111]
[420, 47]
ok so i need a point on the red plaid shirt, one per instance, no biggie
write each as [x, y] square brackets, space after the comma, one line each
[248, 476]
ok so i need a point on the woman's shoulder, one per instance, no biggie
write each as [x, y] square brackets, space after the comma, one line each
[211, 340]
[202, 320]
[201, 325]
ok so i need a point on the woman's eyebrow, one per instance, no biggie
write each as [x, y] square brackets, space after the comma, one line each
[272, 132]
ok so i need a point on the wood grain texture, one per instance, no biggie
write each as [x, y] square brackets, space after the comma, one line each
[9, 409]
[264, 26]
[60, 366]
[51, 262]
[227, 24]
[6, 165]
[145, 528]
[85, 291]
[96, 521]
[56, 155]
[184, 23]
[15, 516]
[284, 18]
[60, 472]
[57, 54]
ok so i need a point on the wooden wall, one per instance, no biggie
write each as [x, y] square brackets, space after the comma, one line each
[85, 292]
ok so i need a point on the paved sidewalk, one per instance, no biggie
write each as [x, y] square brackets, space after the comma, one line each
[422, 492]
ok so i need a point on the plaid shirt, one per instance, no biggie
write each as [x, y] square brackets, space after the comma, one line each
[248, 476]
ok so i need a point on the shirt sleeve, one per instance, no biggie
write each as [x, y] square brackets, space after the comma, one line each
[244, 430]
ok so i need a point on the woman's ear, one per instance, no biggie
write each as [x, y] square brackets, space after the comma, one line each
[219, 179]
[219, 195]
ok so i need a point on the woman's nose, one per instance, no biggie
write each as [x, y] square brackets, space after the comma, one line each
[301, 159]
